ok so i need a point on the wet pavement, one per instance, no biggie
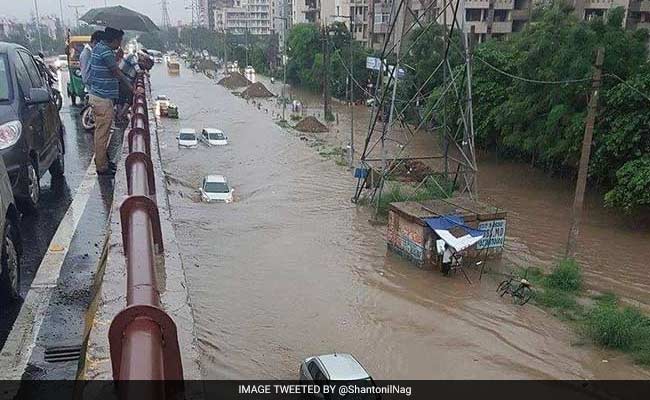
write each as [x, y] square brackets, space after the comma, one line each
[63, 323]
[293, 269]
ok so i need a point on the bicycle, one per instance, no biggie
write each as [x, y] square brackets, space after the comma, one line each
[518, 288]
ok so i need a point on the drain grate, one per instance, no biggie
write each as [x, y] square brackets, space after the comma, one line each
[62, 353]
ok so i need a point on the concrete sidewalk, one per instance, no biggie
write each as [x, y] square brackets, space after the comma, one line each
[111, 297]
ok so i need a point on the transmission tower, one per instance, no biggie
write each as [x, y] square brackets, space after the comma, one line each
[444, 113]
[166, 23]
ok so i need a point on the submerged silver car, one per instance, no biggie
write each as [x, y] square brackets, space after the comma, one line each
[332, 367]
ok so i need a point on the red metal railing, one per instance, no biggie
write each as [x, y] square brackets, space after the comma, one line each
[143, 340]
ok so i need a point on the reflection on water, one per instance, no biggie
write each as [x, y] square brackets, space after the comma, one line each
[293, 269]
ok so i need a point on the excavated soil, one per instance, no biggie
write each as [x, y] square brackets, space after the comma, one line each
[310, 124]
[257, 89]
[234, 80]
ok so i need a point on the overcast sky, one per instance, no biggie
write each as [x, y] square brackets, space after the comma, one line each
[22, 9]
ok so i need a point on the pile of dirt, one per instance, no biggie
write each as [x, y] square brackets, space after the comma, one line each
[207, 65]
[257, 89]
[234, 80]
[412, 171]
[310, 124]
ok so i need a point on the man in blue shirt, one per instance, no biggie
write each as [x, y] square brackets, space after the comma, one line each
[104, 90]
[84, 57]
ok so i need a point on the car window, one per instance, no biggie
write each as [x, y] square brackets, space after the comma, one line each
[32, 70]
[312, 367]
[319, 377]
[23, 77]
[187, 136]
[5, 81]
[216, 187]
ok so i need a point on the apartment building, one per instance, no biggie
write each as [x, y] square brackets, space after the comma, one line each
[244, 16]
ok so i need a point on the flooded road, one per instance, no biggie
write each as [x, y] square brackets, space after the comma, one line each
[293, 269]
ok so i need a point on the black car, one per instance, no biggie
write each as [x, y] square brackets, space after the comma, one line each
[31, 132]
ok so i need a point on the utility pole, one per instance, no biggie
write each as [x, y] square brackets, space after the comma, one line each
[351, 87]
[76, 13]
[61, 11]
[326, 89]
[284, 67]
[471, 180]
[38, 25]
[581, 182]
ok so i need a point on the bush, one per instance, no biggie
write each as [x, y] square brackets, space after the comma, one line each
[619, 328]
[566, 276]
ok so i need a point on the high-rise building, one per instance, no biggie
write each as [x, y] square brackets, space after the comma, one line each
[251, 17]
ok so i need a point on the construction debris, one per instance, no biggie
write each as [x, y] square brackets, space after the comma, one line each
[257, 89]
[234, 80]
[310, 124]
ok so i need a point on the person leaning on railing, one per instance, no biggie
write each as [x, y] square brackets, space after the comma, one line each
[103, 77]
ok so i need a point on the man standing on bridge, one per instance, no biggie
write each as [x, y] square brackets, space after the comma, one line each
[84, 57]
[104, 90]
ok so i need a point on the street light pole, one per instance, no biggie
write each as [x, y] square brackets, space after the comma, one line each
[351, 82]
[38, 25]
[284, 68]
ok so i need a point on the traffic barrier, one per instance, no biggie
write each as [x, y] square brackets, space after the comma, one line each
[142, 337]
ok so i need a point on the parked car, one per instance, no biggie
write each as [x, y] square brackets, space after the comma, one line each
[163, 103]
[333, 367]
[249, 70]
[11, 246]
[214, 137]
[187, 138]
[214, 188]
[31, 131]
[61, 62]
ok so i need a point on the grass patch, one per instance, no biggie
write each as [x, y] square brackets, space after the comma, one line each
[295, 117]
[566, 276]
[606, 322]
[435, 187]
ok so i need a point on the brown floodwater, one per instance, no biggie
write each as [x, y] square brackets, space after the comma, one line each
[293, 269]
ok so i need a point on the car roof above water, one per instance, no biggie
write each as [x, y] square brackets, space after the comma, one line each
[343, 367]
[215, 178]
[212, 130]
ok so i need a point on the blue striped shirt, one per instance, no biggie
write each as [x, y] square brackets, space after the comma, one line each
[102, 81]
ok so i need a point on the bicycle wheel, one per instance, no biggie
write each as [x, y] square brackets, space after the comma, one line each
[522, 295]
[503, 287]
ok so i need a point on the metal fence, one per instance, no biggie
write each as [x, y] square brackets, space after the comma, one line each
[142, 337]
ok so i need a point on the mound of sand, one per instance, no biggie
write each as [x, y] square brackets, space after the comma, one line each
[207, 65]
[234, 80]
[257, 89]
[310, 124]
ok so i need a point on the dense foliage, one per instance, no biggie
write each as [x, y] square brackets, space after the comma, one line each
[306, 67]
[544, 123]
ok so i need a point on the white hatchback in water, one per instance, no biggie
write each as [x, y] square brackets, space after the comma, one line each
[214, 137]
[215, 189]
[187, 138]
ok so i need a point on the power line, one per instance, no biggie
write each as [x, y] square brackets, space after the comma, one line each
[529, 80]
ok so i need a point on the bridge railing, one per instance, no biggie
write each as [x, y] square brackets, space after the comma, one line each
[142, 337]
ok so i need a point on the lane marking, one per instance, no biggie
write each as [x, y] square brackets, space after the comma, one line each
[21, 341]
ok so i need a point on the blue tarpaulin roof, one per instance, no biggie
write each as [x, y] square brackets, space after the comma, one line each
[447, 222]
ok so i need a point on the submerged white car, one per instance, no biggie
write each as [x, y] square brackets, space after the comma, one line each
[163, 103]
[215, 189]
[214, 137]
[187, 138]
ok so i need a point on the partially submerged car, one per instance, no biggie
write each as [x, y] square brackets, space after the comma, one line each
[214, 188]
[163, 104]
[333, 367]
[172, 111]
[214, 137]
[187, 138]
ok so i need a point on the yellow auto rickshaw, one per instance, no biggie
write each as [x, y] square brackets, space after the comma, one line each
[74, 47]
